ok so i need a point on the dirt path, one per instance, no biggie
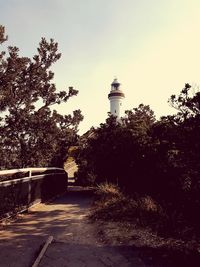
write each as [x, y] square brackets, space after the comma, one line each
[78, 245]
[75, 242]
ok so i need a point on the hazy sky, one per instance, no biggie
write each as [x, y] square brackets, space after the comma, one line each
[152, 46]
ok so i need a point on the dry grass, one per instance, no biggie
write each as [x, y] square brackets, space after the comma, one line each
[137, 222]
[111, 204]
[108, 190]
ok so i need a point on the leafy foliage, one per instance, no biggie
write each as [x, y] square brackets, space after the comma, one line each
[116, 150]
[145, 157]
[32, 134]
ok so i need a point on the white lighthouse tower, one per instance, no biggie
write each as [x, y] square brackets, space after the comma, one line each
[116, 97]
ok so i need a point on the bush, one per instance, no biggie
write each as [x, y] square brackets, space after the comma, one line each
[112, 204]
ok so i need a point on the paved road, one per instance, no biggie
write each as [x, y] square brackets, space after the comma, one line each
[75, 242]
[71, 169]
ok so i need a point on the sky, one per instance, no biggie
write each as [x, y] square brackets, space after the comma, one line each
[152, 47]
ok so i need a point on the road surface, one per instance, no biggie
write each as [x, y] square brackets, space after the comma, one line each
[75, 241]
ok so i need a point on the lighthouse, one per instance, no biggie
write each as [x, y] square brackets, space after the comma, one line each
[116, 97]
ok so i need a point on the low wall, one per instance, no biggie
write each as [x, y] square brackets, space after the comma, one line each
[38, 185]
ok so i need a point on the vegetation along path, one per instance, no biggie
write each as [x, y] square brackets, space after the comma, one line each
[75, 240]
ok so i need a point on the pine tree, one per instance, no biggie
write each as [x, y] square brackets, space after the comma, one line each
[31, 132]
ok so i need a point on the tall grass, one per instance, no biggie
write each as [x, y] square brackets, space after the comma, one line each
[112, 204]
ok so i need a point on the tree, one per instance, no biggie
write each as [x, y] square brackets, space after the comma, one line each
[32, 134]
[187, 103]
[116, 151]
[188, 146]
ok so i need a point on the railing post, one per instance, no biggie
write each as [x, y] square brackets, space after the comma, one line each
[29, 189]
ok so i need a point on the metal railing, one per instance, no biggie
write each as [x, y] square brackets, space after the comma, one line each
[21, 188]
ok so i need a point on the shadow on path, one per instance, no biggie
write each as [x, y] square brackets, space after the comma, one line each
[76, 241]
[20, 240]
